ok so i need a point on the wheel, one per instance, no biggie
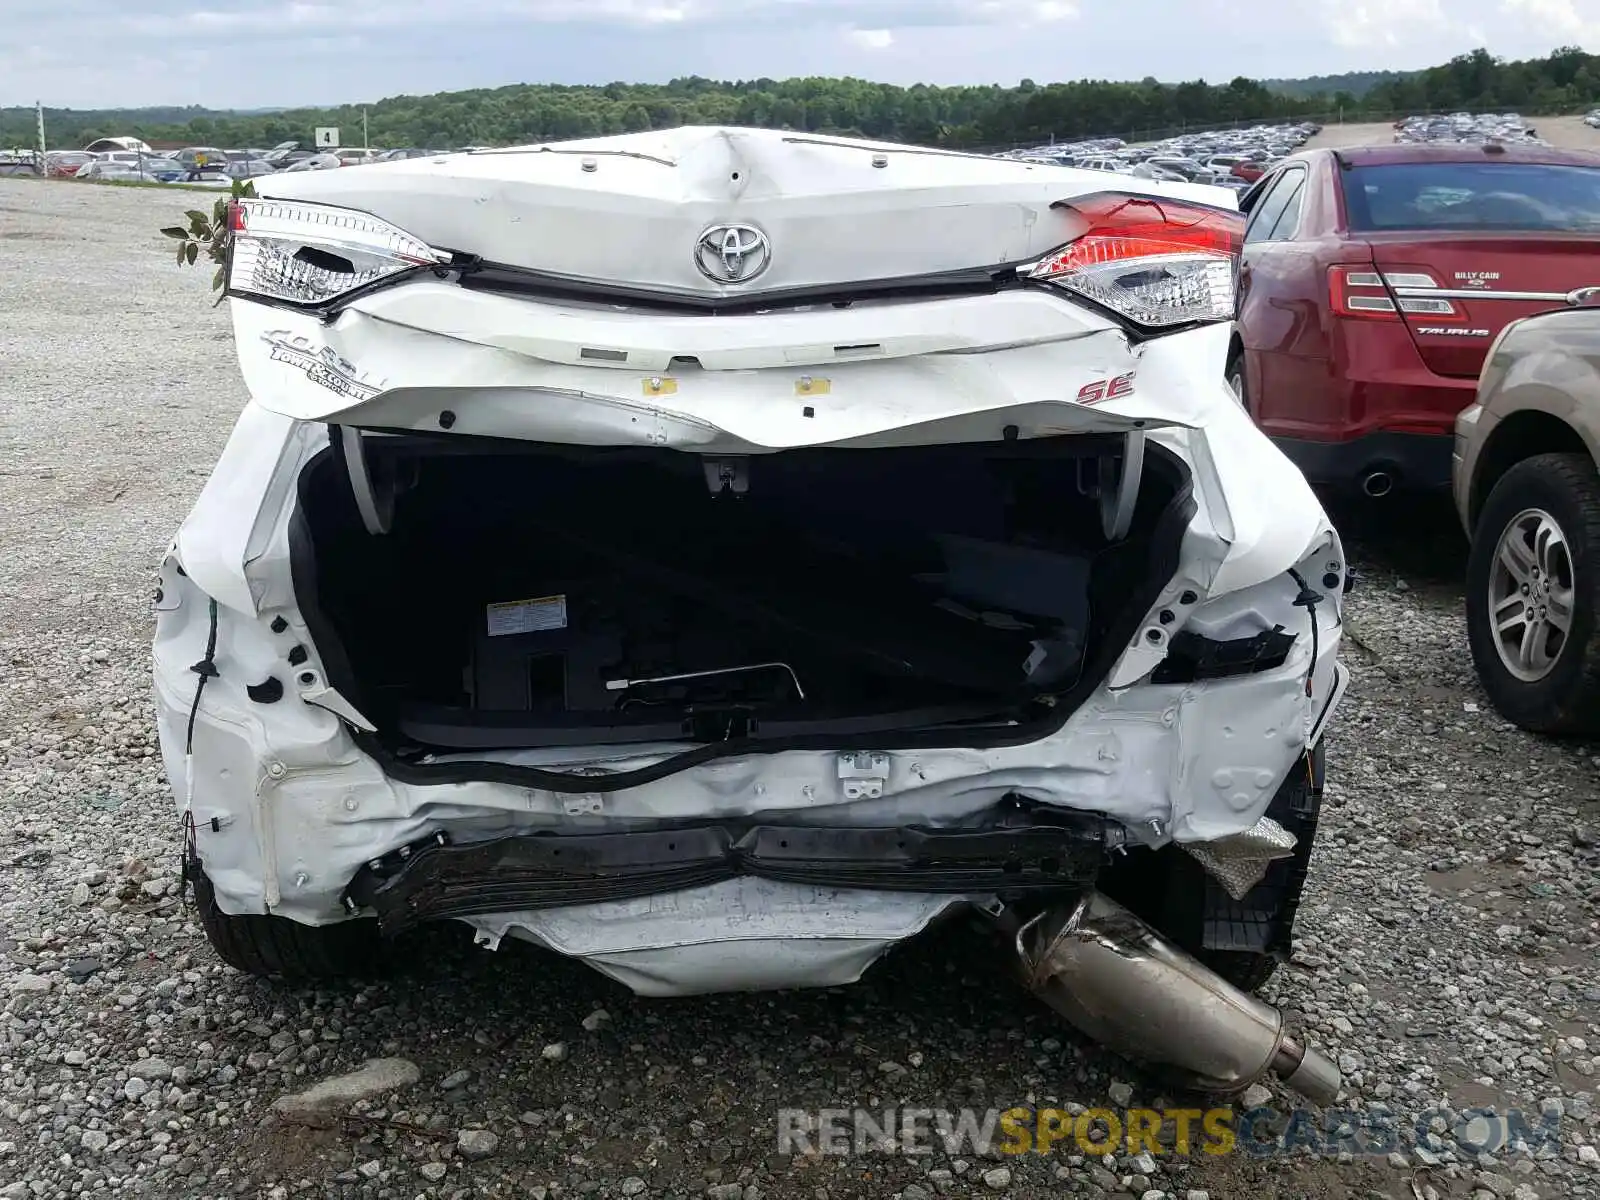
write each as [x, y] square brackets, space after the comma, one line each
[1237, 379]
[276, 946]
[1249, 937]
[1533, 589]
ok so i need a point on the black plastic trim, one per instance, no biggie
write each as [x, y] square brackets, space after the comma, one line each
[1014, 851]
[1192, 657]
[1416, 461]
[503, 278]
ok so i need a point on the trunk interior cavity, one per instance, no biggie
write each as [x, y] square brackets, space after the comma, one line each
[534, 595]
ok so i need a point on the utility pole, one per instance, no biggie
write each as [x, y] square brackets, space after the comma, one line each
[38, 164]
[364, 144]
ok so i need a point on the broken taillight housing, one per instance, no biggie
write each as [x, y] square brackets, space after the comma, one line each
[311, 254]
[1367, 292]
[1154, 261]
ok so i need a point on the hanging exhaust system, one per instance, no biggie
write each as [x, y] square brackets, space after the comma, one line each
[1121, 983]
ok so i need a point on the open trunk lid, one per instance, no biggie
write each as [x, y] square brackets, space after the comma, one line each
[729, 388]
[1466, 247]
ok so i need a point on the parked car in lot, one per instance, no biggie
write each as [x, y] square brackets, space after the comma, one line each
[64, 164]
[1372, 282]
[989, 600]
[311, 162]
[201, 156]
[1528, 492]
[248, 168]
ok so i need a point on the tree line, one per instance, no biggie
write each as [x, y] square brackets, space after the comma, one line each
[987, 117]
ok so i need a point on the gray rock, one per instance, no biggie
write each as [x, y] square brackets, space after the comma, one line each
[1491, 1181]
[595, 1020]
[632, 1186]
[997, 1179]
[150, 1069]
[432, 1171]
[1255, 1096]
[455, 1080]
[554, 1052]
[1121, 1093]
[94, 1140]
[477, 1143]
[375, 1077]
[29, 983]
[135, 1088]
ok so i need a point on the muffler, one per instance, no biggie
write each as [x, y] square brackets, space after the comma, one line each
[1123, 984]
[1377, 483]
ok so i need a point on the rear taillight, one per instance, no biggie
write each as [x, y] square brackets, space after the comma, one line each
[312, 254]
[1365, 292]
[1155, 261]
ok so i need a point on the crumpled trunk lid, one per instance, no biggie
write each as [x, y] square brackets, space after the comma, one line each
[631, 210]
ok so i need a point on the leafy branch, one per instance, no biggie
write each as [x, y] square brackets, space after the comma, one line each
[208, 234]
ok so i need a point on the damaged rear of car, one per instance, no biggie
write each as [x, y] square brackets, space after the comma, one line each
[720, 555]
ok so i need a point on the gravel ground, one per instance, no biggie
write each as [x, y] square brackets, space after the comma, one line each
[1447, 950]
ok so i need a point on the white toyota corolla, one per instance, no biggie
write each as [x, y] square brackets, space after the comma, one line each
[721, 554]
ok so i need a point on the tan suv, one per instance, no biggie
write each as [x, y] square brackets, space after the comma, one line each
[1528, 491]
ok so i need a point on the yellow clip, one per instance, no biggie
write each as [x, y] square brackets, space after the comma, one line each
[660, 385]
[810, 385]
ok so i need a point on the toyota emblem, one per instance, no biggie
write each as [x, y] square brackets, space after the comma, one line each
[732, 253]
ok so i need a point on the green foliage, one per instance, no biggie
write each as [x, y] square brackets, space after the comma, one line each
[1353, 83]
[208, 233]
[988, 116]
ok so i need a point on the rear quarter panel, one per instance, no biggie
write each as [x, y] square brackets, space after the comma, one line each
[1546, 365]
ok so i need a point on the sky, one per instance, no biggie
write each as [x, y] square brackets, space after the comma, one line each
[261, 53]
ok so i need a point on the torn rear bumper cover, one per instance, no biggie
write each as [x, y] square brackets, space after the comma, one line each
[1013, 852]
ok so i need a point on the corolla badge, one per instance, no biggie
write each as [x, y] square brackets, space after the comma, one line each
[732, 253]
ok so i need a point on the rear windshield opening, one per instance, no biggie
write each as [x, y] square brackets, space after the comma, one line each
[1520, 197]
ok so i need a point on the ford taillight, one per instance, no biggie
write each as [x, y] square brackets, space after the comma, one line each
[1366, 292]
[311, 254]
[1154, 261]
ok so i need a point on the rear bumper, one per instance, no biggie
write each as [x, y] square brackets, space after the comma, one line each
[1412, 461]
[1015, 849]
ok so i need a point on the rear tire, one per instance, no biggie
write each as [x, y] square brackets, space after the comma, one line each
[1239, 380]
[276, 947]
[1535, 563]
[1247, 971]
[1171, 891]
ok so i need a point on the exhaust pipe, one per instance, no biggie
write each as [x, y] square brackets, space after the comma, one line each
[1377, 483]
[1123, 984]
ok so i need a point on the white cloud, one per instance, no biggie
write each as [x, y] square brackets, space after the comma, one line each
[1564, 20]
[1376, 23]
[870, 39]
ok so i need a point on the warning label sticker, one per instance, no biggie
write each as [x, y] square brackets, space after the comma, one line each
[527, 616]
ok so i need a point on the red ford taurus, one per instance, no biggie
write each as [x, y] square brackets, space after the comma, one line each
[1373, 282]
